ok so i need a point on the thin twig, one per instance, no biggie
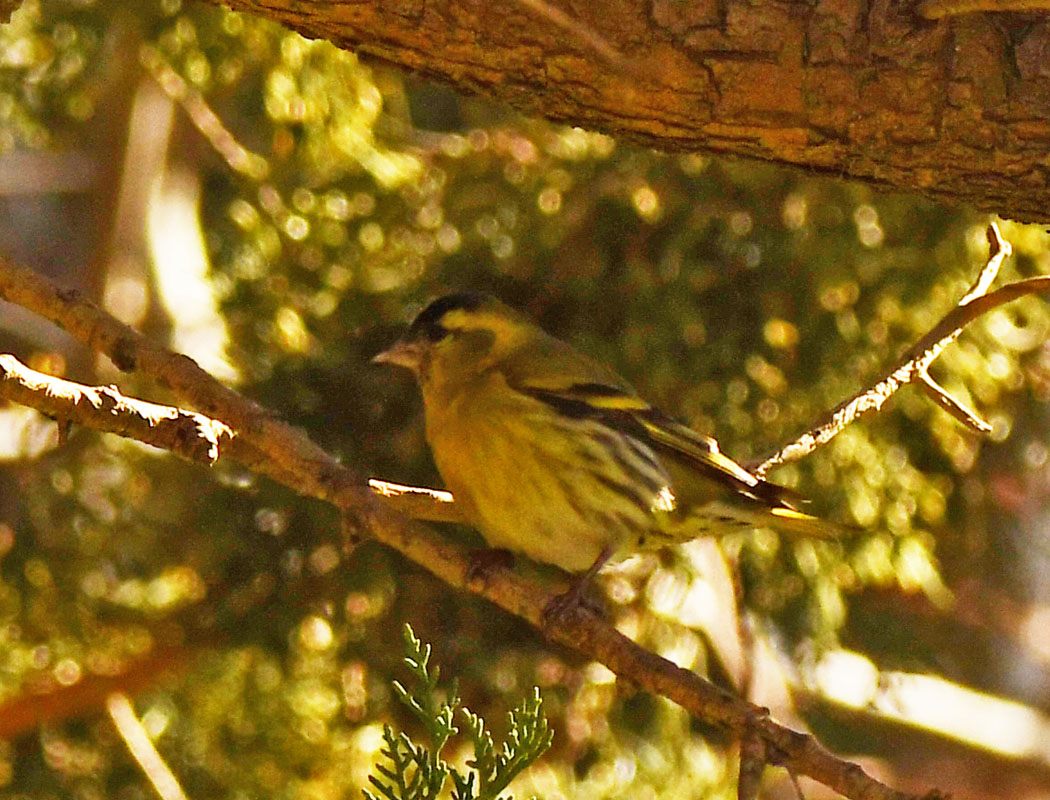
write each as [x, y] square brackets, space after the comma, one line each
[915, 363]
[131, 730]
[967, 416]
[282, 449]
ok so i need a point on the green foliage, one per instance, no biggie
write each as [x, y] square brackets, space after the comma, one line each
[418, 772]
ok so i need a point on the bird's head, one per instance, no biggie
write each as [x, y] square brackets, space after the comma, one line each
[457, 336]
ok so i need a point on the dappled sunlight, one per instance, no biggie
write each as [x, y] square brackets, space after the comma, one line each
[181, 270]
[25, 433]
[949, 709]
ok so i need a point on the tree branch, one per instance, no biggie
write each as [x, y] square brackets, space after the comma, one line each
[869, 90]
[915, 363]
[273, 448]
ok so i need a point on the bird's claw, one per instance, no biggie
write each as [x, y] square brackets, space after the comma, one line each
[563, 605]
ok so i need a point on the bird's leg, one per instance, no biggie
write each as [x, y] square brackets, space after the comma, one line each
[484, 561]
[562, 604]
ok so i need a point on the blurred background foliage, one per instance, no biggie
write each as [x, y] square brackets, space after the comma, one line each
[279, 210]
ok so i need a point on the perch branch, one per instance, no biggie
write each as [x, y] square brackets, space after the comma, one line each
[287, 450]
[264, 446]
[915, 363]
[273, 448]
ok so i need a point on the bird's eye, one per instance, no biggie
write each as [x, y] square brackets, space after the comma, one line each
[437, 332]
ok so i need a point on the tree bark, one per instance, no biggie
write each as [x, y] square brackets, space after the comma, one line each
[957, 108]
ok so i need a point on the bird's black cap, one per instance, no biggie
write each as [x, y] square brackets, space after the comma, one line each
[428, 323]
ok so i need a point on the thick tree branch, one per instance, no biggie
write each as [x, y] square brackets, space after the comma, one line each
[957, 108]
[273, 448]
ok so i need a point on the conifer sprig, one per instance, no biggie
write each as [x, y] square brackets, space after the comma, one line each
[416, 772]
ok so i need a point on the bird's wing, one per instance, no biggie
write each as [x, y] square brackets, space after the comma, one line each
[623, 410]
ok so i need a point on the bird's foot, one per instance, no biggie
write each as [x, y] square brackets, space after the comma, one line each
[563, 605]
[487, 560]
[560, 606]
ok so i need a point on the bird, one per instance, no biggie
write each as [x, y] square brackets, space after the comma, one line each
[553, 455]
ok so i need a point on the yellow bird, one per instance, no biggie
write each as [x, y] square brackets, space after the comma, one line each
[554, 455]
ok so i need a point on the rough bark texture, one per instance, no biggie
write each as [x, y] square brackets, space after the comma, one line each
[958, 108]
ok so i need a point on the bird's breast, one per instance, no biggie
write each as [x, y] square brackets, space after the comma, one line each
[559, 490]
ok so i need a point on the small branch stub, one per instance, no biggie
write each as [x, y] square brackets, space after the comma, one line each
[752, 764]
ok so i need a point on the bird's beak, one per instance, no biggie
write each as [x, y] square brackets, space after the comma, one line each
[402, 354]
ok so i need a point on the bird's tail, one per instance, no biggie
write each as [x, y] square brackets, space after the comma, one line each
[781, 518]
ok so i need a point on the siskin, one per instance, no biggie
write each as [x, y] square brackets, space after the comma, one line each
[554, 455]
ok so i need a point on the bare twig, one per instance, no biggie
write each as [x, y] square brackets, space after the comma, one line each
[131, 730]
[288, 451]
[275, 449]
[939, 395]
[190, 435]
[915, 363]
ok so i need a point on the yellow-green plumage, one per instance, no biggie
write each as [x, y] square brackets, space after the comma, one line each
[553, 455]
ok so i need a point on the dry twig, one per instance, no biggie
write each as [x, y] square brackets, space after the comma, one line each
[190, 435]
[239, 158]
[915, 363]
